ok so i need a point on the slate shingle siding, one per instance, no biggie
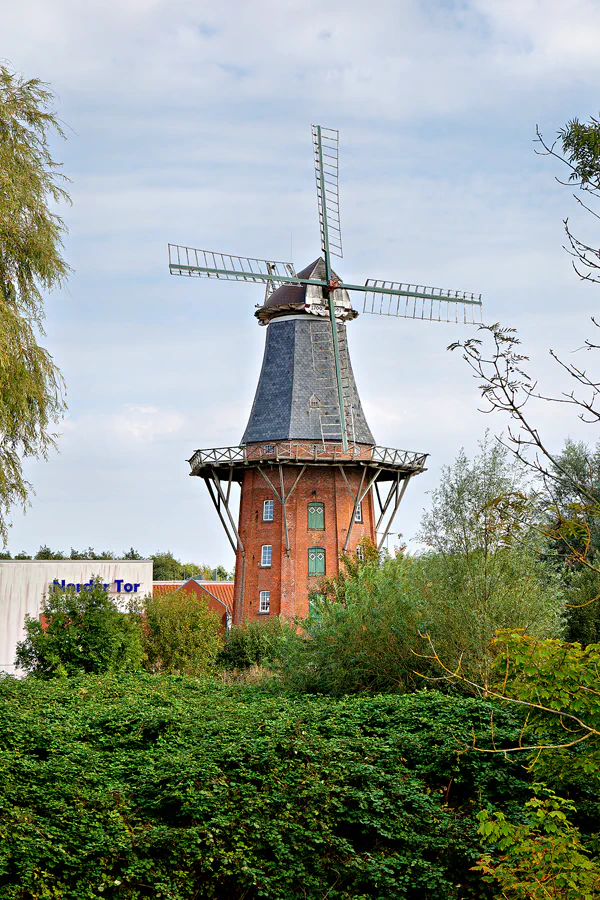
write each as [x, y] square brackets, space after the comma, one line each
[287, 381]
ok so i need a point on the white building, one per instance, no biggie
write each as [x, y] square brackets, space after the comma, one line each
[24, 583]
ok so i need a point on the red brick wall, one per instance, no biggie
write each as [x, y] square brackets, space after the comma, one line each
[287, 579]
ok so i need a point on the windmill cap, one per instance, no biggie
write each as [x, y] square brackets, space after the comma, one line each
[305, 298]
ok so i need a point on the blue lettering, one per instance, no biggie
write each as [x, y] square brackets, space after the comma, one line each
[70, 585]
[118, 583]
[136, 587]
[78, 588]
[128, 587]
[105, 587]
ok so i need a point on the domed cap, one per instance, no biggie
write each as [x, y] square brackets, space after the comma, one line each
[305, 298]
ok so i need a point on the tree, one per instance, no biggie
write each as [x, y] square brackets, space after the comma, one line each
[168, 568]
[580, 143]
[31, 387]
[46, 553]
[80, 633]
[181, 634]
[362, 634]
[485, 569]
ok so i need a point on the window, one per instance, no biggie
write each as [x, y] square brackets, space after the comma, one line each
[358, 514]
[316, 561]
[266, 555]
[316, 516]
[268, 510]
[360, 553]
[269, 448]
[264, 605]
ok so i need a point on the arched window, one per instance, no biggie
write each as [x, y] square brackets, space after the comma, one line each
[316, 516]
[316, 561]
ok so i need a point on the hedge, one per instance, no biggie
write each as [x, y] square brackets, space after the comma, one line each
[167, 787]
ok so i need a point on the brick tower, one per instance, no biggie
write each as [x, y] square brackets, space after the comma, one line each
[304, 497]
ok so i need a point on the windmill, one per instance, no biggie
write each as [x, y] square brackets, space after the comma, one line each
[307, 424]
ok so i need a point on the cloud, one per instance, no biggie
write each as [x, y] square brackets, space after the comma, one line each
[191, 123]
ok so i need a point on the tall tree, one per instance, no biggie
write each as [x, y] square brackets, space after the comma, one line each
[31, 262]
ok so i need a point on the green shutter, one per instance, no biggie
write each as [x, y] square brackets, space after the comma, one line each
[316, 516]
[316, 561]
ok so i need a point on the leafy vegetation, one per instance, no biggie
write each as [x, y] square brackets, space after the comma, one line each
[31, 232]
[181, 634]
[80, 632]
[149, 786]
[166, 567]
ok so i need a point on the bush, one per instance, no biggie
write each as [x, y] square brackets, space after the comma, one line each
[362, 632]
[181, 634]
[160, 786]
[256, 643]
[82, 633]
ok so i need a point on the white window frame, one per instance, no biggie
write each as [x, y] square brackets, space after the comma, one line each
[360, 553]
[264, 602]
[268, 504]
[266, 556]
[358, 515]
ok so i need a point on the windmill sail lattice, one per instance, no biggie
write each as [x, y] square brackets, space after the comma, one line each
[414, 301]
[326, 143]
[208, 264]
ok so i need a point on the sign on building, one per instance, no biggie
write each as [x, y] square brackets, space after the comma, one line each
[23, 584]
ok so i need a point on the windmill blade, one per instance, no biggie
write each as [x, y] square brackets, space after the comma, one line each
[207, 264]
[326, 154]
[415, 301]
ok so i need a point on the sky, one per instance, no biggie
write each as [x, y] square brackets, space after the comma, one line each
[189, 122]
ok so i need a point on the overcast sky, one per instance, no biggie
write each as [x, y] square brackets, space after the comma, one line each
[190, 122]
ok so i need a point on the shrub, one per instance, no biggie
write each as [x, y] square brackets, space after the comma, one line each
[362, 632]
[82, 632]
[181, 634]
[160, 786]
[256, 643]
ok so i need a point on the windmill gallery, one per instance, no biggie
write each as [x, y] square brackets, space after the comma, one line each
[312, 480]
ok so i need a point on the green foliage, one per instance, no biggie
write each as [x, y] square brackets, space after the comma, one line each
[362, 633]
[46, 553]
[581, 146]
[181, 634]
[559, 684]
[81, 633]
[540, 858]
[31, 387]
[167, 568]
[262, 642]
[487, 568]
[157, 786]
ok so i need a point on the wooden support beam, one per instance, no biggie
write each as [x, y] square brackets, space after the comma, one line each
[399, 495]
[217, 484]
[217, 505]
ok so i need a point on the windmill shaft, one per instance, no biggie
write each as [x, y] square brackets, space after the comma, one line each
[372, 289]
[338, 370]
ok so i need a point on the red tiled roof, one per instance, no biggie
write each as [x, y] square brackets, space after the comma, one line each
[165, 587]
[219, 590]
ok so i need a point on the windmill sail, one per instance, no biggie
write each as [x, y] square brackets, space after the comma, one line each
[415, 301]
[208, 264]
[326, 156]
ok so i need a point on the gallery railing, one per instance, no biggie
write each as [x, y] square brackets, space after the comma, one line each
[306, 452]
